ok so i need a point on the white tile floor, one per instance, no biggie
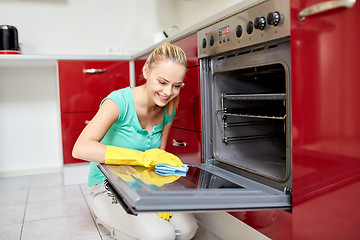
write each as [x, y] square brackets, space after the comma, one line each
[39, 207]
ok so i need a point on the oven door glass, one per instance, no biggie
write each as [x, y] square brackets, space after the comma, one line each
[205, 187]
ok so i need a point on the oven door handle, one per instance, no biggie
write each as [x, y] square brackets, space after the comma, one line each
[323, 7]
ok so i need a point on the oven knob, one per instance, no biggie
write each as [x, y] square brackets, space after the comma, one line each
[211, 41]
[203, 43]
[273, 18]
[260, 23]
[239, 31]
[250, 27]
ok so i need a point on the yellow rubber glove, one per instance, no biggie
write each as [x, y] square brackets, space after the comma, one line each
[124, 156]
[165, 215]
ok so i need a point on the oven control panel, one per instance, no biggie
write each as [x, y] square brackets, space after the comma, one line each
[264, 22]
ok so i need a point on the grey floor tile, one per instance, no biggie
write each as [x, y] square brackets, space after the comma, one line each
[10, 232]
[14, 184]
[54, 209]
[11, 214]
[54, 193]
[64, 228]
[46, 180]
[8, 199]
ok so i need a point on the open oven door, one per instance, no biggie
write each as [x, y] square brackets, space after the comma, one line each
[205, 187]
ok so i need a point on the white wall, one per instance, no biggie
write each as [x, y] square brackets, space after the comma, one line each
[85, 26]
[91, 27]
[188, 12]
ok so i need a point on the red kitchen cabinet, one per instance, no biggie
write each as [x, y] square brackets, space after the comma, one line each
[325, 123]
[188, 114]
[83, 84]
[189, 45]
[139, 63]
[185, 144]
[72, 124]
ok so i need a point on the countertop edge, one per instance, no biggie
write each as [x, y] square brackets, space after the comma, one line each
[24, 60]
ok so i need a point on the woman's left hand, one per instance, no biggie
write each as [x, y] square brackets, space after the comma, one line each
[155, 156]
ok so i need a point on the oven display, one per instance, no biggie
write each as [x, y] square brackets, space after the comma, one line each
[224, 30]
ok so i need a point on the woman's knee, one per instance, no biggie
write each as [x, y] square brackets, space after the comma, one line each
[156, 232]
[185, 225]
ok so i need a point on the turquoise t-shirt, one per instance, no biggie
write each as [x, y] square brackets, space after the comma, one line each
[126, 131]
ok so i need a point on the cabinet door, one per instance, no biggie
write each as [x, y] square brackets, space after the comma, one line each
[185, 144]
[189, 45]
[188, 115]
[72, 125]
[325, 121]
[83, 84]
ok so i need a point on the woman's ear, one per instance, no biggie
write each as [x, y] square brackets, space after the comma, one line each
[145, 71]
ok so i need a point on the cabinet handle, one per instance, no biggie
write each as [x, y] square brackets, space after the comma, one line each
[178, 143]
[94, 70]
[323, 7]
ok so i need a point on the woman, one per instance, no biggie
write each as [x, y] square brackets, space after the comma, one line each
[131, 127]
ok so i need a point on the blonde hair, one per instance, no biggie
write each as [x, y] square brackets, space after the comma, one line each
[168, 52]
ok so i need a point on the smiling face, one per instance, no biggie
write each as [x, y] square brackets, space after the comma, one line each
[164, 81]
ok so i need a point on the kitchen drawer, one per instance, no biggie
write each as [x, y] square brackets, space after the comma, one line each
[83, 92]
[72, 125]
[185, 144]
[188, 114]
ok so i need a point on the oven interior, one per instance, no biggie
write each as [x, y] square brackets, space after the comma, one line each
[249, 96]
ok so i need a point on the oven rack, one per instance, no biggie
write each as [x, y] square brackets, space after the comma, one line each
[225, 113]
[269, 110]
[249, 137]
[250, 112]
[252, 97]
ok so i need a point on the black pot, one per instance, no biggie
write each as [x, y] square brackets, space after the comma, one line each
[9, 43]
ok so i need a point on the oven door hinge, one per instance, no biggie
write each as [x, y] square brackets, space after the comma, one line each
[206, 65]
[287, 191]
[210, 161]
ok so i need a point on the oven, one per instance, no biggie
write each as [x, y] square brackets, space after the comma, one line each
[246, 123]
[245, 82]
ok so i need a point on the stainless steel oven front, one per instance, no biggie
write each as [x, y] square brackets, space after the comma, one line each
[246, 116]
[245, 82]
